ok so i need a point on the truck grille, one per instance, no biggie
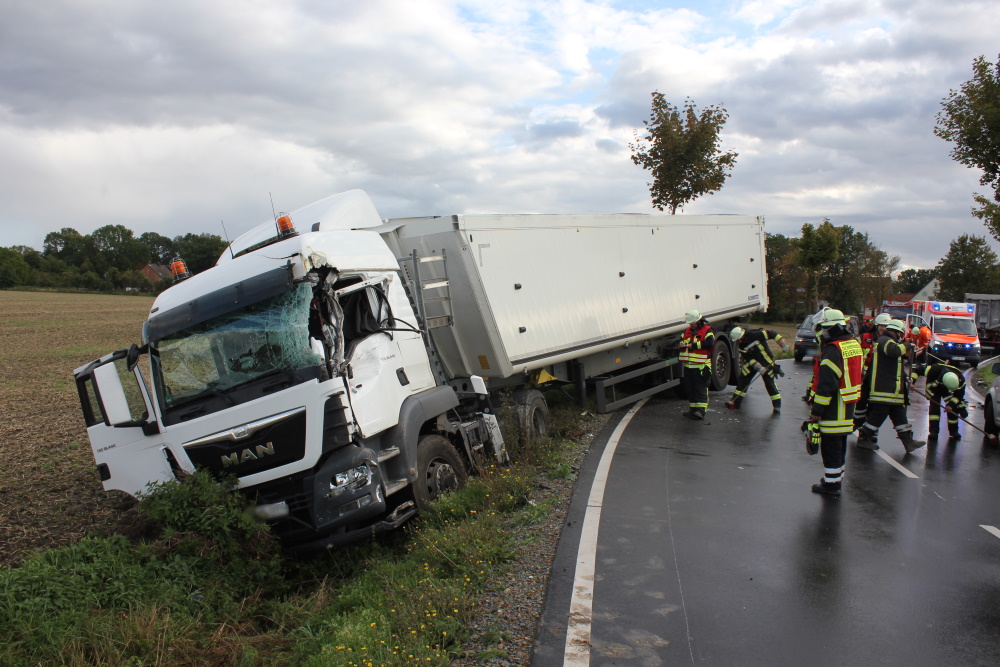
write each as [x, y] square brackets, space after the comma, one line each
[262, 445]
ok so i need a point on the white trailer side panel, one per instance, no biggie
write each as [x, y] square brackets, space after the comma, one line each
[527, 291]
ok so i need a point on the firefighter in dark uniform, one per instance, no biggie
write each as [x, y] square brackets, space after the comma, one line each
[868, 342]
[755, 355]
[945, 386]
[838, 388]
[697, 343]
[888, 390]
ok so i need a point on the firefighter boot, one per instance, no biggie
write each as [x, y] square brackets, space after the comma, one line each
[932, 432]
[953, 432]
[867, 439]
[776, 406]
[909, 443]
[827, 488]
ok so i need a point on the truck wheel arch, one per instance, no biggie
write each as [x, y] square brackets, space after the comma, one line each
[415, 412]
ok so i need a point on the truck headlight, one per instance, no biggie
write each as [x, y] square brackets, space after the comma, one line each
[350, 480]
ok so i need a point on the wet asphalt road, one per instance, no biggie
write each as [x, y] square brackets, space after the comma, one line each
[712, 550]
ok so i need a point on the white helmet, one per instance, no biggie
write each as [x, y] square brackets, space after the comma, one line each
[736, 333]
[896, 325]
[692, 316]
[882, 319]
[831, 317]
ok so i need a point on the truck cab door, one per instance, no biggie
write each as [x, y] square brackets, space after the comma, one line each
[377, 379]
[128, 447]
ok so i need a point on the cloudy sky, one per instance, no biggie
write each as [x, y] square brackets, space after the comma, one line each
[170, 117]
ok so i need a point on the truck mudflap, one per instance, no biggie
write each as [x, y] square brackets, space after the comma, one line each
[401, 515]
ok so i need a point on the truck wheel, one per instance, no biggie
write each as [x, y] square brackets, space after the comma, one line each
[989, 419]
[533, 416]
[439, 470]
[721, 367]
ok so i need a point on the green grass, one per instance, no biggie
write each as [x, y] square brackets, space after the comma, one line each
[200, 582]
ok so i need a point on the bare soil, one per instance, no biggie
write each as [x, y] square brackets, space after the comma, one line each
[50, 494]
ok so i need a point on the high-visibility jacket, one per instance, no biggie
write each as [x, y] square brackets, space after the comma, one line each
[700, 342]
[838, 387]
[888, 382]
[753, 347]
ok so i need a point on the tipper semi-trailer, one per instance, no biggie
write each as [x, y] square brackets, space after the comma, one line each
[346, 373]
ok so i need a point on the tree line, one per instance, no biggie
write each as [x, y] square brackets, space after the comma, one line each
[845, 268]
[109, 259]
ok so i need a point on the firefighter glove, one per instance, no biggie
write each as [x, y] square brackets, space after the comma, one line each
[784, 346]
[813, 437]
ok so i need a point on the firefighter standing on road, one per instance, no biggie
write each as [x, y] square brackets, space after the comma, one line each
[945, 385]
[756, 357]
[837, 390]
[868, 347]
[888, 391]
[697, 343]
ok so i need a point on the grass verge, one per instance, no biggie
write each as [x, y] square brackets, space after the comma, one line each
[198, 582]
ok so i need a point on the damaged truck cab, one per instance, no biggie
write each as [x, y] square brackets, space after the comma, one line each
[297, 366]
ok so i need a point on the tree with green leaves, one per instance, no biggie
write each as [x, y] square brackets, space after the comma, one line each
[681, 151]
[199, 251]
[161, 248]
[785, 296]
[818, 249]
[861, 274]
[970, 266]
[970, 117]
[911, 281]
[14, 271]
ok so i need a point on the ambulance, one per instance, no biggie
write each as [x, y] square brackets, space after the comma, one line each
[953, 330]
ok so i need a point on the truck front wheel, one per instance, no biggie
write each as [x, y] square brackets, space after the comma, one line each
[439, 469]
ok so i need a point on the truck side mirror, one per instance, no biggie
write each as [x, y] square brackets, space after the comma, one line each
[132, 356]
[112, 394]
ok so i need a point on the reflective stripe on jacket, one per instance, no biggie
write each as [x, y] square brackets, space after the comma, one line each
[700, 343]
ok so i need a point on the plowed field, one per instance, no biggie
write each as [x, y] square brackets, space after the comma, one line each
[49, 490]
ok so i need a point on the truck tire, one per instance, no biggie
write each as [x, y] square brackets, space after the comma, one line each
[722, 362]
[439, 470]
[533, 416]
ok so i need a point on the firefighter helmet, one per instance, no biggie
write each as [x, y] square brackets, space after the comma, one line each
[950, 380]
[882, 319]
[736, 333]
[831, 317]
[692, 316]
[896, 325]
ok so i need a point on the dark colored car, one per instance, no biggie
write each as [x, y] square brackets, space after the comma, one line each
[806, 344]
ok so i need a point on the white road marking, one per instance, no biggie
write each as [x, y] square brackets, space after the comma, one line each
[578, 626]
[995, 532]
[895, 464]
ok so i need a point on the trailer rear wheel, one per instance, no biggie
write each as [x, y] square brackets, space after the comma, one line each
[533, 416]
[439, 470]
[721, 366]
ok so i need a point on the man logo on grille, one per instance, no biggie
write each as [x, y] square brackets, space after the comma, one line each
[239, 458]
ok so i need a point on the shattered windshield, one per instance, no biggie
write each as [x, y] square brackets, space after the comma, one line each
[268, 338]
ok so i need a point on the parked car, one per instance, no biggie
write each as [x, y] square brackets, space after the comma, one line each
[991, 419]
[806, 344]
